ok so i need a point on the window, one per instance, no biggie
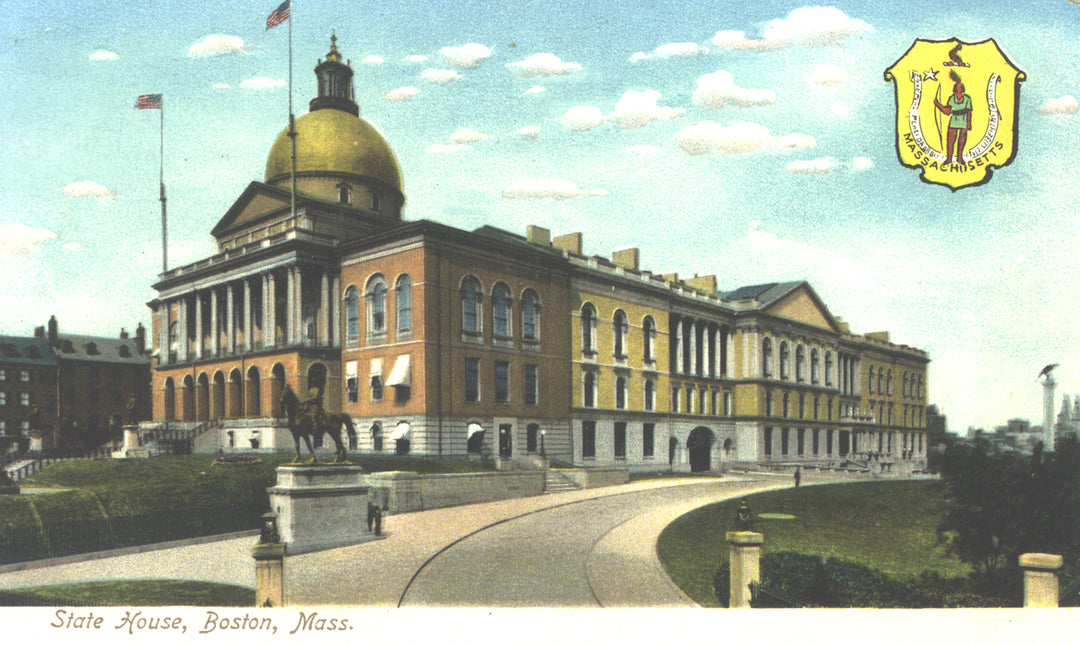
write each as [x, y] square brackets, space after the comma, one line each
[713, 399]
[648, 439]
[648, 331]
[905, 386]
[376, 387]
[588, 329]
[375, 202]
[802, 406]
[817, 408]
[768, 441]
[888, 383]
[532, 390]
[800, 363]
[814, 366]
[588, 439]
[675, 398]
[800, 440]
[881, 380]
[3, 398]
[828, 368]
[786, 405]
[376, 306]
[727, 402]
[784, 359]
[620, 440]
[532, 432]
[472, 379]
[24, 399]
[344, 194]
[766, 357]
[352, 386]
[620, 329]
[470, 305]
[530, 315]
[815, 441]
[3, 375]
[589, 390]
[701, 402]
[500, 305]
[768, 403]
[502, 382]
[24, 375]
[870, 382]
[828, 442]
[404, 304]
[352, 315]
[620, 392]
[784, 436]
[650, 394]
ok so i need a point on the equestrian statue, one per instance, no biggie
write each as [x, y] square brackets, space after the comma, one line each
[307, 419]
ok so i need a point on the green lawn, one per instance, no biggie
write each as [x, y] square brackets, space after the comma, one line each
[143, 593]
[888, 525]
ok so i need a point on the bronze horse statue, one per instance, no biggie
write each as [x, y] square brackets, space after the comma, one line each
[305, 425]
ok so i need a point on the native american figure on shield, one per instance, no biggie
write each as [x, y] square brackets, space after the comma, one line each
[956, 116]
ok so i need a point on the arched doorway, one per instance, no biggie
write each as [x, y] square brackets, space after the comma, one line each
[506, 440]
[316, 377]
[253, 398]
[202, 398]
[699, 445]
[235, 388]
[217, 396]
[277, 386]
[187, 399]
[170, 399]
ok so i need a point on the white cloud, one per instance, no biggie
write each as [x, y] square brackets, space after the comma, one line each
[221, 86]
[536, 89]
[440, 76]
[641, 150]
[583, 117]
[672, 50]
[738, 138]
[1063, 105]
[416, 58]
[88, 189]
[262, 83]
[217, 46]
[467, 56]
[862, 164]
[445, 148]
[806, 27]
[828, 75]
[406, 93]
[840, 109]
[103, 55]
[529, 133]
[637, 109]
[543, 65]
[548, 189]
[718, 89]
[20, 239]
[467, 135]
[372, 60]
[820, 166]
[795, 141]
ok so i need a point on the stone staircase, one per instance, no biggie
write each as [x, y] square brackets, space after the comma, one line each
[557, 482]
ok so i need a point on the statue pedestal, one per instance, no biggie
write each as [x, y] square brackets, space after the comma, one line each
[320, 507]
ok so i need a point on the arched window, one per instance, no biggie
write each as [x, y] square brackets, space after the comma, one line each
[352, 315]
[650, 394]
[404, 304]
[375, 294]
[906, 391]
[589, 390]
[620, 392]
[530, 315]
[500, 310]
[870, 383]
[814, 366]
[828, 368]
[768, 403]
[784, 359]
[888, 382]
[588, 328]
[470, 305]
[800, 363]
[620, 329]
[648, 331]
[786, 405]
[766, 356]
[881, 380]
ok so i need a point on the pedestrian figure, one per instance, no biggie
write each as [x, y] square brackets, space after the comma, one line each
[798, 476]
[370, 515]
[378, 521]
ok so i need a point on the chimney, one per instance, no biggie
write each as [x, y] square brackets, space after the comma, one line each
[570, 243]
[140, 339]
[705, 283]
[39, 332]
[53, 332]
[626, 258]
[538, 235]
[123, 334]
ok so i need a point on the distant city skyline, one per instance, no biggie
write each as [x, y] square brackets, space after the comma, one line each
[751, 140]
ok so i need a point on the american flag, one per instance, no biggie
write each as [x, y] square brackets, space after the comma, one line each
[148, 102]
[280, 15]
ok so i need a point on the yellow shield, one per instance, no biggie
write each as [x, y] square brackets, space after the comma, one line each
[956, 113]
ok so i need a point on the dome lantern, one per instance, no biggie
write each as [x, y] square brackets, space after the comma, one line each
[335, 83]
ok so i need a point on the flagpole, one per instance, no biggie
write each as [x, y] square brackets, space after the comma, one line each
[161, 179]
[292, 126]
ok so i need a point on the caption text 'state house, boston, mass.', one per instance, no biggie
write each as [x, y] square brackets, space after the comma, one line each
[444, 342]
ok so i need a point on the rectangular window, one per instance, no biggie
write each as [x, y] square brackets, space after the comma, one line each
[3, 398]
[532, 389]
[675, 398]
[828, 442]
[620, 440]
[727, 403]
[502, 382]
[3, 375]
[801, 441]
[714, 398]
[816, 445]
[472, 379]
[352, 384]
[588, 439]
[3, 427]
[24, 399]
[784, 435]
[24, 376]
[768, 441]
[376, 388]
[648, 438]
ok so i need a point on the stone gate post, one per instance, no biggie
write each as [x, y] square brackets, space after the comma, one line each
[269, 555]
[745, 549]
[1040, 579]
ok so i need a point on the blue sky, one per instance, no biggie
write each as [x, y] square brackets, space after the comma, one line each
[655, 125]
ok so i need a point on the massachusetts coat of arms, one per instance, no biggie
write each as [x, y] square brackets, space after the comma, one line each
[956, 110]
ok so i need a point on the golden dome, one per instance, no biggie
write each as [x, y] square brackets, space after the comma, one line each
[336, 143]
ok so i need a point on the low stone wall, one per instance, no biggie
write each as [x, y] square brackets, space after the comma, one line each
[402, 492]
[598, 477]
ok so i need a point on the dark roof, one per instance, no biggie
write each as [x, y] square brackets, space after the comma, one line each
[747, 293]
[98, 349]
[26, 351]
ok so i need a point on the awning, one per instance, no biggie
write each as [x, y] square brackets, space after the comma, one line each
[376, 367]
[474, 428]
[350, 369]
[403, 431]
[401, 374]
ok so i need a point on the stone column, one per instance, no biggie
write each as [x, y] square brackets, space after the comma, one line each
[248, 327]
[745, 549]
[270, 329]
[215, 324]
[323, 320]
[163, 334]
[677, 344]
[335, 305]
[182, 333]
[230, 315]
[1040, 579]
[690, 334]
[198, 326]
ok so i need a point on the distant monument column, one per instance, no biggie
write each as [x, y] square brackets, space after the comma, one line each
[1048, 411]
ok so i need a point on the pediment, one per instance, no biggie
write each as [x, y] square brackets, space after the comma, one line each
[256, 202]
[802, 304]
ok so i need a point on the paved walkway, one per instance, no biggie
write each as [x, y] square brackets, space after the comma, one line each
[377, 573]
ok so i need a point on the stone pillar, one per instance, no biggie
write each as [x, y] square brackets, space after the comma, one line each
[323, 320]
[745, 548]
[690, 334]
[290, 306]
[215, 324]
[198, 326]
[1048, 413]
[335, 318]
[164, 350]
[269, 555]
[1040, 579]
[247, 323]
[677, 343]
[230, 316]
[270, 328]
[182, 335]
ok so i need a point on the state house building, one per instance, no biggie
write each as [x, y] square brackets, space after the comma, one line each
[445, 342]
